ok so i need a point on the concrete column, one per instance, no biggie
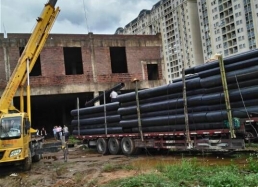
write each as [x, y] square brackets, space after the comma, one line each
[92, 56]
[7, 64]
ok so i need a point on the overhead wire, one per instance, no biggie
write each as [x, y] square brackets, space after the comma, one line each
[1, 16]
[85, 15]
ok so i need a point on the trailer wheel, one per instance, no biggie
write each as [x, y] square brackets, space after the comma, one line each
[36, 158]
[248, 136]
[27, 162]
[114, 146]
[128, 147]
[102, 146]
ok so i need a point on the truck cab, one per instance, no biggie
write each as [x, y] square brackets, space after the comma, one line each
[17, 142]
[15, 138]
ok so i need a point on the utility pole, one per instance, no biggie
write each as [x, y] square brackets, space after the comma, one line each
[105, 112]
[187, 132]
[226, 94]
[78, 116]
[138, 108]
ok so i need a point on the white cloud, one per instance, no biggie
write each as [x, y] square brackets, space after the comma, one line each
[103, 16]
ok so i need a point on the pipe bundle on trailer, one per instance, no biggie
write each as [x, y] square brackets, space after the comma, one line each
[94, 120]
[162, 108]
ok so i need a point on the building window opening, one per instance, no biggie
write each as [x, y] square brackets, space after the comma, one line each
[73, 60]
[36, 70]
[152, 70]
[118, 59]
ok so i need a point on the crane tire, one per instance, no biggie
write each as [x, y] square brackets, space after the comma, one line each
[37, 158]
[27, 162]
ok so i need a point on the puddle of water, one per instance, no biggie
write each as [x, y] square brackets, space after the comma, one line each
[211, 160]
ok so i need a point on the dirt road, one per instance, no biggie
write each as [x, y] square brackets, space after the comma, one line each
[83, 168]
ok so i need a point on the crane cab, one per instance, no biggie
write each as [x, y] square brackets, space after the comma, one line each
[14, 137]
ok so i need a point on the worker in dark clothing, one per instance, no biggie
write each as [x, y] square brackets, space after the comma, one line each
[43, 132]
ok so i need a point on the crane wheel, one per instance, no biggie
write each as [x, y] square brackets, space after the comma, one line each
[27, 162]
[37, 158]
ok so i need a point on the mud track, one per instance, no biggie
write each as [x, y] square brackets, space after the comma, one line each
[83, 168]
[86, 168]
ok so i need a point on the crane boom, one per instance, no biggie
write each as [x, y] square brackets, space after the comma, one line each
[15, 127]
[31, 52]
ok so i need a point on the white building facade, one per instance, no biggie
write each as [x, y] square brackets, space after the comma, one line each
[228, 27]
[194, 30]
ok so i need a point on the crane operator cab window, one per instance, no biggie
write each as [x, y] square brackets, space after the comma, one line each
[10, 128]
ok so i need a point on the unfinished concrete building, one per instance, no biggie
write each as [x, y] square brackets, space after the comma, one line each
[74, 68]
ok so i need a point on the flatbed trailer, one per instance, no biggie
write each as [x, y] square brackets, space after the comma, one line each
[129, 143]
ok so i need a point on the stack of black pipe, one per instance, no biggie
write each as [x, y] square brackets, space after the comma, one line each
[94, 120]
[162, 108]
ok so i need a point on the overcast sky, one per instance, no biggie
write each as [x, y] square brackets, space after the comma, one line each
[103, 16]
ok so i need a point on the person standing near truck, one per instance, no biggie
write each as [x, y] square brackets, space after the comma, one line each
[43, 132]
[54, 132]
[66, 132]
[59, 132]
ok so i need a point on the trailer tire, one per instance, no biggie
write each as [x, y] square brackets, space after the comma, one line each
[128, 146]
[27, 162]
[37, 158]
[102, 146]
[114, 146]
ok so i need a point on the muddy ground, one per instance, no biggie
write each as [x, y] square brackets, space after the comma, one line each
[85, 167]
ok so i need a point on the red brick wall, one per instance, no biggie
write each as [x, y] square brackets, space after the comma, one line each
[87, 68]
[138, 48]
[52, 62]
[102, 61]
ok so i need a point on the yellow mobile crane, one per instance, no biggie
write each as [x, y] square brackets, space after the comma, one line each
[17, 145]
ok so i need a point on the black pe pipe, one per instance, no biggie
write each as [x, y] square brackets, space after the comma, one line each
[206, 108]
[150, 107]
[242, 75]
[181, 127]
[192, 76]
[95, 109]
[202, 117]
[161, 90]
[231, 67]
[199, 100]
[163, 98]
[227, 60]
[234, 95]
[111, 130]
[98, 114]
[192, 84]
[107, 93]
[97, 120]
[96, 126]
[232, 86]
